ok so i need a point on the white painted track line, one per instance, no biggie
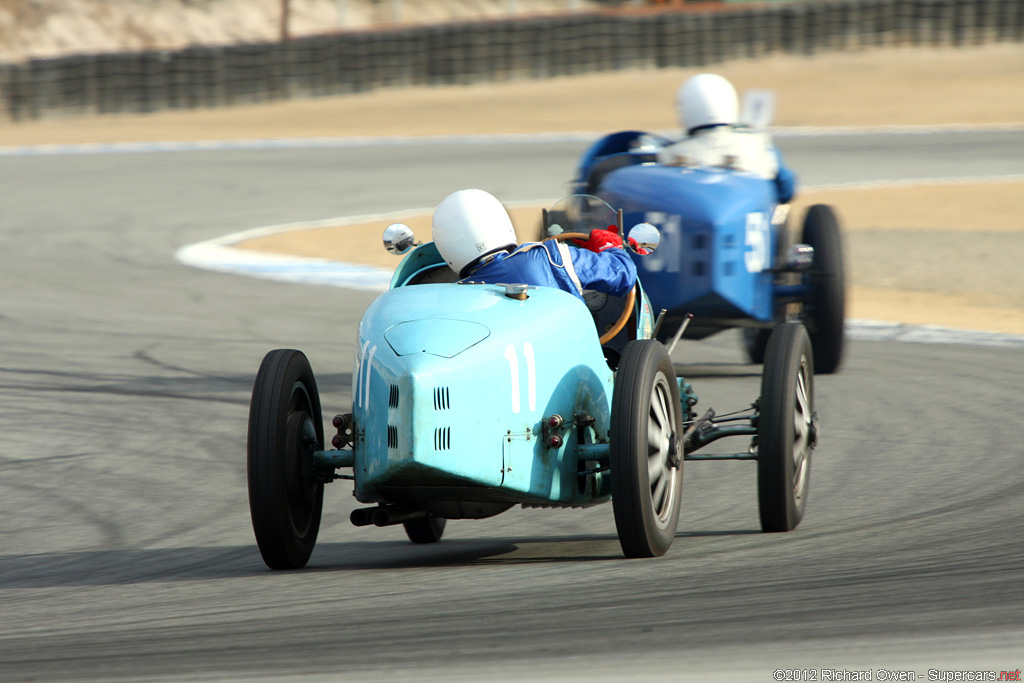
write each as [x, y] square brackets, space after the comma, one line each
[221, 255]
[481, 139]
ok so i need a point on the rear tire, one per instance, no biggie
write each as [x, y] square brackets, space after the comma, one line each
[285, 427]
[786, 430]
[755, 341]
[825, 310]
[426, 530]
[646, 450]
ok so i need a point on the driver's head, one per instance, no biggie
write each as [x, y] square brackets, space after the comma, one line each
[706, 100]
[468, 225]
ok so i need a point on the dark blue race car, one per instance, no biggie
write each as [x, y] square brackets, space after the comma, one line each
[726, 254]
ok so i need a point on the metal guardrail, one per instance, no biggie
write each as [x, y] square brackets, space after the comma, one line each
[486, 51]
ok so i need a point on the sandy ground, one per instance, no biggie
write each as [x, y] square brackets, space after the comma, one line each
[944, 255]
[867, 88]
[52, 28]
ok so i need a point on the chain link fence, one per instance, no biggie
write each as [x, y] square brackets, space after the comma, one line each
[476, 52]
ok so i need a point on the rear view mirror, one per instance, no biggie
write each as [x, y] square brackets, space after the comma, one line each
[398, 238]
[644, 238]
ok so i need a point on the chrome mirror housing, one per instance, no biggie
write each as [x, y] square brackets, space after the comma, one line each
[644, 238]
[800, 257]
[399, 238]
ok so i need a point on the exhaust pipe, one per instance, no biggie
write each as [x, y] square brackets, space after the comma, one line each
[362, 516]
[392, 514]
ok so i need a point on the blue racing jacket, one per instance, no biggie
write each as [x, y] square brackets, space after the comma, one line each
[785, 181]
[552, 264]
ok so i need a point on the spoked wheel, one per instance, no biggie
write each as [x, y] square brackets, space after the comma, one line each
[285, 427]
[427, 530]
[786, 430]
[825, 311]
[646, 450]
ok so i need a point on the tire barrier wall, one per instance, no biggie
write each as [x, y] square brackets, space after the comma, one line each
[485, 51]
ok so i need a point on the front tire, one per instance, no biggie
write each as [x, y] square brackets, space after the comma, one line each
[786, 430]
[646, 450]
[825, 311]
[285, 427]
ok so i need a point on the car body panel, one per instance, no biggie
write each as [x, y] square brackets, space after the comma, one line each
[462, 414]
[719, 243]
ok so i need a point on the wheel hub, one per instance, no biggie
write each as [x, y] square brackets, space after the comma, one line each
[301, 480]
[804, 432]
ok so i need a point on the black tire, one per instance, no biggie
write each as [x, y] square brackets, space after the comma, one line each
[825, 310]
[646, 512]
[427, 530]
[755, 341]
[285, 427]
[786, 431]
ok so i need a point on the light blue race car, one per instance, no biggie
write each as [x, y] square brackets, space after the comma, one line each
[726, 255]
[469, 399]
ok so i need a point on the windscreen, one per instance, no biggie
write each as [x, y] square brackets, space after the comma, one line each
[580, 213]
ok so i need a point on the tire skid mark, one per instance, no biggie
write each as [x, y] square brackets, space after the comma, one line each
[128, 393]
[71, 508]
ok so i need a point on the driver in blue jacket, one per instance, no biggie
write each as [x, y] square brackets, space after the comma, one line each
[474, 235]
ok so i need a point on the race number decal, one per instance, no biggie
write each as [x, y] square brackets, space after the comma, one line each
[361, 390]
[756, 256]
[531, 377]
[666, 258]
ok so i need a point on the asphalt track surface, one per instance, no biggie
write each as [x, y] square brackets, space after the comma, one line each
[126, 550]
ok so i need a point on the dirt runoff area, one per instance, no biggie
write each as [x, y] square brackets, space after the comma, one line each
[946, 255]
[925, 255]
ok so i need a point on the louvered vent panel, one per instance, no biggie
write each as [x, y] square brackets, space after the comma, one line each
[393, 396]
[442, 400]
[442, 438]
[392, 436]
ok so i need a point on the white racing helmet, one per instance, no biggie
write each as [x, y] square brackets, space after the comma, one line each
[470, 224]
[706, 100]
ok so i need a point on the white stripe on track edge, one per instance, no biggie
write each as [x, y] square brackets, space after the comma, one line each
[158, 146]
[917, 182]
[878, 330]
[291, 143]
[221, 255]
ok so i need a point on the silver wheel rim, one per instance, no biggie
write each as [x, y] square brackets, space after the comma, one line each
[661, 434]
[802, 415]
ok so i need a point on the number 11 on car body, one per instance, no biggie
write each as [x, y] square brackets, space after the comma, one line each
[531, 376]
